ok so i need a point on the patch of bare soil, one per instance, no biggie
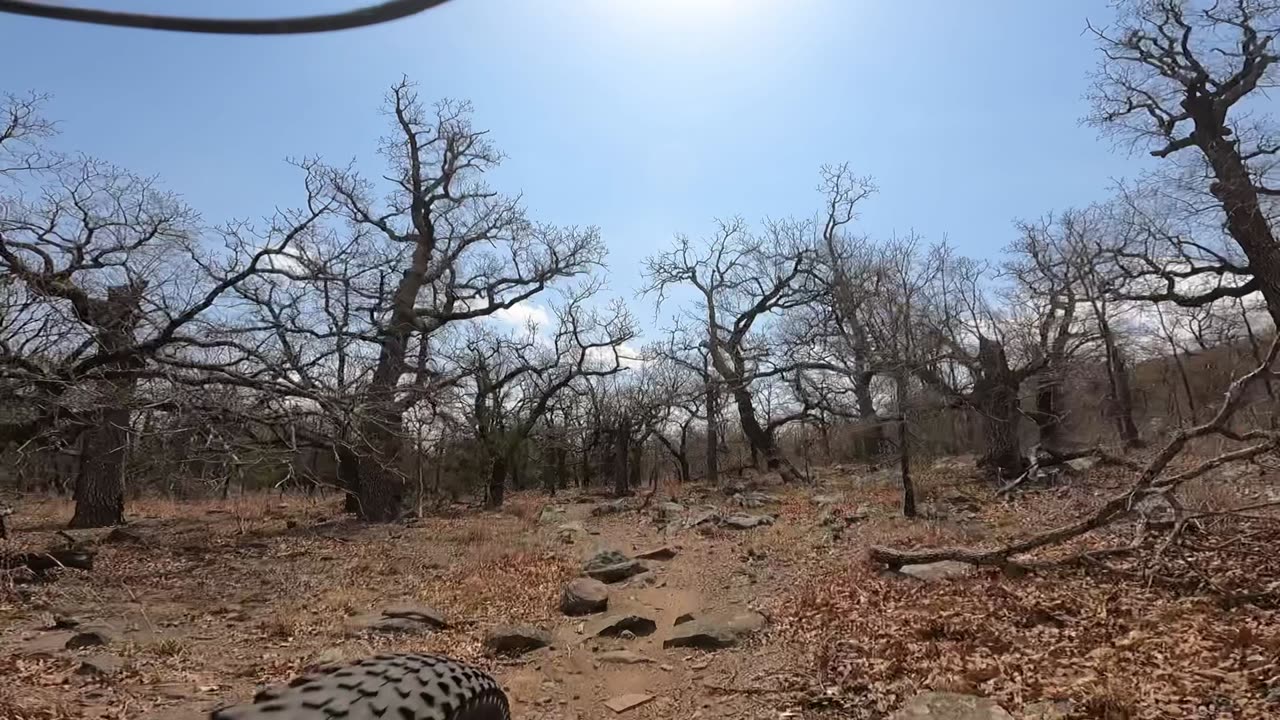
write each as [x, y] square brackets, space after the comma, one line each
[205, 602]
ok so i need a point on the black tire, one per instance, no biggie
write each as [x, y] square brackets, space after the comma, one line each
[396, 687]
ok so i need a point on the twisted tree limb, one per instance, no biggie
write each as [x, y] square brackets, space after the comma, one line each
[1149, 482]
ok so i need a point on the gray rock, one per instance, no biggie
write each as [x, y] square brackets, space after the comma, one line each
[65, 622]
[746, 522]
[584, 596]
[716, 632]
[422, 614]
[1083, 464]
[637, 625]
[516, 639]
[684, 618]
[669, 511]
[551, 514]
[622, 657]
[666, 552]
[753, 499]
[612, 507]
[97, 636]
[937, 571]
[826, 499]
[100, 666]
[701, 518]
[612, 566]
[950, 706]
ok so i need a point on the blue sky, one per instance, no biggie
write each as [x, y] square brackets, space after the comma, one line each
[645, 117]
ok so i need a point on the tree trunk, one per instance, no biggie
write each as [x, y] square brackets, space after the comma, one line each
[1233, 187]
[349, 478]
[1121, 397]
[99, 489]
[761, 440]
[995, 395]
[713, 457]
[636, 465]
[497, 480]
[621, 442]
[1048, 401]
[904, 448]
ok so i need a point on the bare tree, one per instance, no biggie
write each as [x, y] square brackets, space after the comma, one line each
[1179, 75]
[743, 282]
[460, 251]
[105, 279]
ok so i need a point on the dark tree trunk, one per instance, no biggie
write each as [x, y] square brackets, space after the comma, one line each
[761, 440]
[1120, 400]
[904, 448]
[349, 478]
[1048, 402]
[713, 456]
[995, 396]
[99, 489]
[621, 442]
[1246, 221]
[636, 465]
[497, 480]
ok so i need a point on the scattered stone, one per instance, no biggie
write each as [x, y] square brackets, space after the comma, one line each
[551, 514]
[637, 625]
[612, 507]
[746, 522]
[120, 535]
[716, 632]
[516, 639]
[950, 706]
[422, 614]
[584, 596]
[91, 637]
[1082, 464]
[753, 499]
[622, 657]
[702, 518]
[666, 552]
[826, 499]
[611, 566]
[684, 618]
[100, 666]
[937, 571]
[623, 703]
[408, 618]
[65, 622]
[644, 579]
[670, 511]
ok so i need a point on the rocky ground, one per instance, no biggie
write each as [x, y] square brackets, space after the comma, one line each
[757, 603]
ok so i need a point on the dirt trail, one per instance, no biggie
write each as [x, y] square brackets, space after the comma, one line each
[209, 601]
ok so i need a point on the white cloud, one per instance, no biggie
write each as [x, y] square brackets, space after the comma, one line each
[522, 314]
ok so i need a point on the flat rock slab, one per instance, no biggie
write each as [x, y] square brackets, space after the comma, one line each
[516, 639]
[623, 703]
[611, 566]
[417, 613]
[666, 552]
[716, 632]
[746, 522]
[100, 666]
[97, 636]
[950, 706]
[584, 596]
[937, 571]
[399, 619]
[637, 625]
[622, 657]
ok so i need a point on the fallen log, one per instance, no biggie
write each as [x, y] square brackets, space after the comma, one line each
[42, 562]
